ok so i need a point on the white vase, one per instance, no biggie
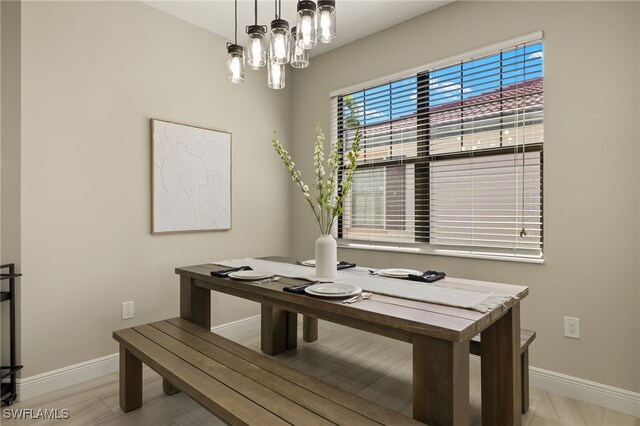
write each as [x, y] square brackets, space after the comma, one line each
[326, 257]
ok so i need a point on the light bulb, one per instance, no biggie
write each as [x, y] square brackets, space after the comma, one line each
[325, 24]
[234, 67]
[306, 30]
[279, 46]
[277, 74]
[256, 53]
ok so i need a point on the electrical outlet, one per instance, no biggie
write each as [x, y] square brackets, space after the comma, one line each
[572, 327]
[127, 310]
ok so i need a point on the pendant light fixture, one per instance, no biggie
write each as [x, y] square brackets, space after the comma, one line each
[327, 12]
[235, 52]
[307, 24]
[299, 55]
[279, 43]
[314, 24]
[256, 52]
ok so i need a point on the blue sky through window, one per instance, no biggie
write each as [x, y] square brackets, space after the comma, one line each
[485, 75]
[454, 83]
[387, 102]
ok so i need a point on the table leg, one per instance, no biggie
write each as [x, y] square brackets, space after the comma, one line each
[500, 371]
[195, 303]
[130, 381]
[309, 329]
[440, 381]
[168, 388]
[292, 330]
[279, 330]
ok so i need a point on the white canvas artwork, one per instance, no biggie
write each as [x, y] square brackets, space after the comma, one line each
[191, 178]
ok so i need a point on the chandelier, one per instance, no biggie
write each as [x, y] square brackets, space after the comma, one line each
[314, 23]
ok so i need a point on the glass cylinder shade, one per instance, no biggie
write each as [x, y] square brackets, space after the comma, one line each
[235, 63]
[299, 55]
[307, 25]
[275, 74]
[279, 43]
[256, 51]
[327, 20]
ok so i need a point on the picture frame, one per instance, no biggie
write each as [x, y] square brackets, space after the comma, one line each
[190, 178]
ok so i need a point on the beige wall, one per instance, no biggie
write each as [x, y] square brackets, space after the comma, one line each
[10, 131]
[93, 74]
[9, 151]
[591, 164]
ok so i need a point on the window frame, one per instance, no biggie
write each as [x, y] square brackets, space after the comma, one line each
[424, 160]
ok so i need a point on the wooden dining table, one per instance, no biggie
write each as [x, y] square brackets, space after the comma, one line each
[439, 336]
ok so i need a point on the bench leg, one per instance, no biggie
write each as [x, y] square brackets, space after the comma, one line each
[130, 381]
[168, 388]
[524, 372]
[309, 329]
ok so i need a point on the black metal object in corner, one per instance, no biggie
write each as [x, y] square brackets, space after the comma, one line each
[8, 392]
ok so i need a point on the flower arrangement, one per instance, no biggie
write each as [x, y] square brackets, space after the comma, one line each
[327, 206]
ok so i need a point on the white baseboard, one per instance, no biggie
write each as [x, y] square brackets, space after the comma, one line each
[50, 381]
[236, 327]
[622, 400]
[617, 399]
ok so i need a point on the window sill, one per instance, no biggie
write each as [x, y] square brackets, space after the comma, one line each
[440, 252]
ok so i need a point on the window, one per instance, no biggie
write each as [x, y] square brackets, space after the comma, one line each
[451, 157]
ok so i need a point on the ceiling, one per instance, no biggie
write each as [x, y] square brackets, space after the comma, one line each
[355, 19]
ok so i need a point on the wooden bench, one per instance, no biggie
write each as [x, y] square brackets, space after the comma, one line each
[237, 384]
[526, 337]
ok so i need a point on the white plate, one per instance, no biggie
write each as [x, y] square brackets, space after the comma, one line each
[250, 275]
[333, 290]
[398, 273]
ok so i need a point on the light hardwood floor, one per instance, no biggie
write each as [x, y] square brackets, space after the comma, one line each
[369, 367]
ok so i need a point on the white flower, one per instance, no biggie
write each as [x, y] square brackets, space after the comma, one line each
[328, 205]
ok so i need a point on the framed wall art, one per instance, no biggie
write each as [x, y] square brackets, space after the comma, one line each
[191, 178]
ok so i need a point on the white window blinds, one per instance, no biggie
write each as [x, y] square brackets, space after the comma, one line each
[451, 157]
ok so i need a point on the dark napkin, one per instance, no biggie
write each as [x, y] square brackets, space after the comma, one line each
[345, 265]
[224, 273]
[427, 277]
[298, 288]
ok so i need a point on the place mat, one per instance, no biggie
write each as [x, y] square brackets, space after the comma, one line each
[441, 294]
